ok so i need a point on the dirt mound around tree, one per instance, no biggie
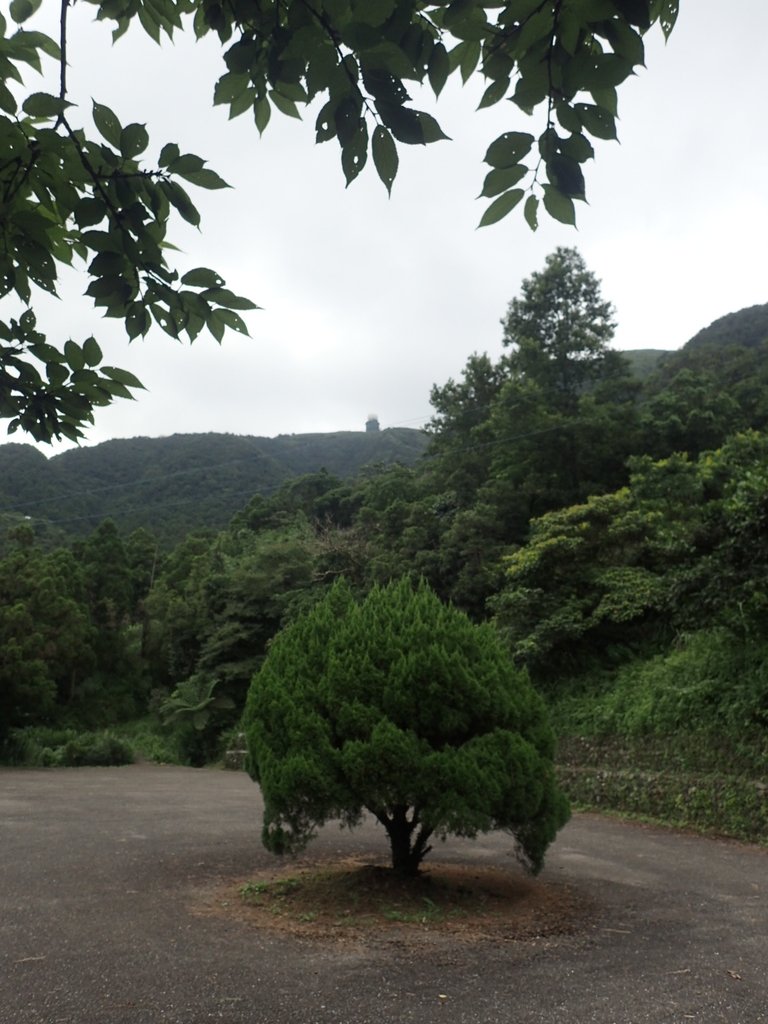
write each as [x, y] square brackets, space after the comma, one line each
[346, 900]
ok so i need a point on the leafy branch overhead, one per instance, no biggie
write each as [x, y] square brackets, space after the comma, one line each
[71, 197]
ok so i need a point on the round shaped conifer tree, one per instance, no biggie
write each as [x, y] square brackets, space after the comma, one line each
[400, 706]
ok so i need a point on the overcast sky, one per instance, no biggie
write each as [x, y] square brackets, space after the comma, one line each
[368, 301]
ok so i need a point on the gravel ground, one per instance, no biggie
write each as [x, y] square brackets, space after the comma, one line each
[102, 871]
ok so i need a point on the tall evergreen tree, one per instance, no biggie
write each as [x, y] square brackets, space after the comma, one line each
[559, 329]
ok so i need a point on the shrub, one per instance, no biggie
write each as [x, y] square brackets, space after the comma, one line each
[43, 747]
[399, 705]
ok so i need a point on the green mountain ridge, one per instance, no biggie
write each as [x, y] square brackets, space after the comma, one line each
[746, 328]
[173, 485]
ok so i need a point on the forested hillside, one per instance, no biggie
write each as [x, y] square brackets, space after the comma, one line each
[613, 527]
[174, 485]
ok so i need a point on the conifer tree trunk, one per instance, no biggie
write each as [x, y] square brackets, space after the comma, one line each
[407, 855]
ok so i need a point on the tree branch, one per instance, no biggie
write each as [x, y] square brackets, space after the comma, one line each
[62, 60]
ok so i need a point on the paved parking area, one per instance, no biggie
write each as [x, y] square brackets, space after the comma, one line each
[100, 869]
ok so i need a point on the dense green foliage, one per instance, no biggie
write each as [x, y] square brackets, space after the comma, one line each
[174, 485]
[682, 547]
[66, 748]
[82, 194]
[611, 529]
[70, 632]
[400, 706]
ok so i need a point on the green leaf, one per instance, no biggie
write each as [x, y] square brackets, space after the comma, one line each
[500, 207]
[439, 68]
[577, 147]
[413, 127]
[215, 324]
[107, 124]
[7, 100]
[181, 202]
[496, 91]
[232, 320]
[21, 10]
[116, 390]
[354, 154]
[201, 277]
[138, 321]
[91, 352]
[205, 178]
[56, 373]
[502, 178]
[106, 264]
[262, 112]
[168, 154]
[558, 206]
[242, 103]
[609, 70]
[376, 11]
[122, 376]
[284, 105]
[74, 355]
[103, 241]
[346, 119]
[566, 175]
[607, 99]
[110, 290]
[230, 86]
[568, 31]
[134, 139]
[668, 16]
[42, 104]
[532, 88]
[186, 164]
[325, 124]
[568, 117]
[509, 149]
[431, 130]
[89, 212]
[224, 297]
[531, 212]
[387, 57]
[385, 158]
[596, 120]
[465, 19]
[537, 28]
[469, 60]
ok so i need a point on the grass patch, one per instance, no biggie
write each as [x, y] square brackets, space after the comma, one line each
[361, 894]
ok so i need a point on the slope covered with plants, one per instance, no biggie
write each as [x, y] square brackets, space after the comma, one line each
[173, 485]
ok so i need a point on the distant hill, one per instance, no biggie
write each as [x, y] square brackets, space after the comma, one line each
[731, 351]
[173, 485]
[708, 348]
[643, 361]
[748, 327]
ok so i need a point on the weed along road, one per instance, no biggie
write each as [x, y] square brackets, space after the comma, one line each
[119, 904]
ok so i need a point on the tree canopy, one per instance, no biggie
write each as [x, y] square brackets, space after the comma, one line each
[400, 706]
[86, 193]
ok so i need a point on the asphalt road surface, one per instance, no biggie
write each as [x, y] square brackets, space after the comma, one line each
[100, 867]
